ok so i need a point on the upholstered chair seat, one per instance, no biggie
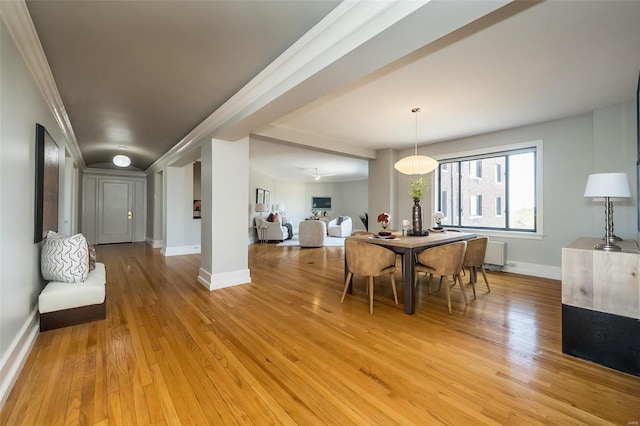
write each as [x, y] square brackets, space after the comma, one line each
[371, 261]
[445, 260]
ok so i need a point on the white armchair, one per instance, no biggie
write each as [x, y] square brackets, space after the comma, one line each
[270, 231]
[341, 226]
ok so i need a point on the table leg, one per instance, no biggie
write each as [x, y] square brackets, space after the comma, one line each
[409, 293]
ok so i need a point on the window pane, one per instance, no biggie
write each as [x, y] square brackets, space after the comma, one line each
[480, 189]
[522, 191]
[449, 189]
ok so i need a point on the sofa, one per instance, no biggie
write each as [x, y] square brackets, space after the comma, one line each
[270, 231]
[341, 226]
[312, 233]
[63, 304]
[76, 289]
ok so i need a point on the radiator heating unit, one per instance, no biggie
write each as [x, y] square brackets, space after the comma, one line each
[496, 253]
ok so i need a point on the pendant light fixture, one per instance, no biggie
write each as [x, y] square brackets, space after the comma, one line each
[416, 164]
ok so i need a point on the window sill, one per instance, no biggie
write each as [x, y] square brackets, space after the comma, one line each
[505, 234]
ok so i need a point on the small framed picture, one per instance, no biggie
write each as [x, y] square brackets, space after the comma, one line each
[267, 197]
[259, 195]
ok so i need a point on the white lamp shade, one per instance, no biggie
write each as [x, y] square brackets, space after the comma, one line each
[614, 185]
[262, 207]
[438, 215]
[279, 207]
[416, 165]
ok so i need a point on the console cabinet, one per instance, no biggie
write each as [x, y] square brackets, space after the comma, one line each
[601, 304]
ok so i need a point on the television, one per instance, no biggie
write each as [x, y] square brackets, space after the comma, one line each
[322, 203]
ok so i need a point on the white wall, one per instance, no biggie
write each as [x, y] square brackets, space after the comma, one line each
[182, 231]
[573, 148]
[154, 210]
[21, 107]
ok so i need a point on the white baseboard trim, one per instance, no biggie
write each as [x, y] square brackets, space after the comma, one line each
[534, 269]
[224, 279]
[178, 251]
[16, 356]
[154, 243]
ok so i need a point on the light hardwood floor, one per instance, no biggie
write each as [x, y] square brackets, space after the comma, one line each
[283, 350]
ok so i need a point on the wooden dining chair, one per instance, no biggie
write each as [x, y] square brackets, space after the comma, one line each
[474, 260]
[369, 260]
[445, 260]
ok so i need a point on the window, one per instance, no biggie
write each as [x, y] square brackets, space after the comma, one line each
[513, 187]
[476, 205]
[475, 169]
[444, 208]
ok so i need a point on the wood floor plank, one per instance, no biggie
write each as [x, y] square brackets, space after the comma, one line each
[284, 350]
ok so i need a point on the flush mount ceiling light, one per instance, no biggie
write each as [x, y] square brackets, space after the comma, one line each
[121, 160]
[416, 164]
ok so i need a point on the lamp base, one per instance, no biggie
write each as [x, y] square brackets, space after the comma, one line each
[608, 246]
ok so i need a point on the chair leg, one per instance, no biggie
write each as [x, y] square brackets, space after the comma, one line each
[371, 295]
[484, 275]
[472, 281]
[446, 289]
[464, 294]
[346, 285]
[430, 281]
[393, 287]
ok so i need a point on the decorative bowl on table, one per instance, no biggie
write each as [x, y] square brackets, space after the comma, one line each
[384, 233]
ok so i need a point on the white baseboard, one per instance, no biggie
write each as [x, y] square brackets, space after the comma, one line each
[178, 251]
[534, 269]
[225, 279]
[16, 356]
[154, 243]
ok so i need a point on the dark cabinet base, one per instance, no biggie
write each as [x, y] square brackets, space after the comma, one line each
[606, 339]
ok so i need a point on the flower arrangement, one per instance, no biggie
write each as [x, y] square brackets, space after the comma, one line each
[418, 188]
[383, 217]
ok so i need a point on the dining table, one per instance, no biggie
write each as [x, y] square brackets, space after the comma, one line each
[409, 246]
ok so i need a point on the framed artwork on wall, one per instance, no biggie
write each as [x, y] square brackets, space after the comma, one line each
[47, 182]
[267, 197]
[197, 204]
[259, 195]
[638, 148]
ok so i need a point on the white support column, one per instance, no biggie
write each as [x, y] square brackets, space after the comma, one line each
[225, 179]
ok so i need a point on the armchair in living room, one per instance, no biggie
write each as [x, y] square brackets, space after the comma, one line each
[270, 231]
[341, 226]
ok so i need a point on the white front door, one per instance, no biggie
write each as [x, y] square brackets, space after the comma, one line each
[115, 212]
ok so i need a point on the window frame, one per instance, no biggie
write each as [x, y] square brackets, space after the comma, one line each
[535, 146]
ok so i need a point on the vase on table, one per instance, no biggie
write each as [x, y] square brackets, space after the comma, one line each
[384, 231]
[416, 217]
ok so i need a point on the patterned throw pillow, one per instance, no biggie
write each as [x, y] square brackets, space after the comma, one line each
[64, 259]
[92, 257]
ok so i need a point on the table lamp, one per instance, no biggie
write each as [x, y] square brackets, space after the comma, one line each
[437, 217]
[607, 186]
[261, 208]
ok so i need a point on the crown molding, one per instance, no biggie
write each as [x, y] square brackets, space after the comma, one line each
[347, 27]
[92, 171]
[18, 20]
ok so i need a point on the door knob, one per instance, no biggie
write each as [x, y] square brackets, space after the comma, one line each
[129, 214]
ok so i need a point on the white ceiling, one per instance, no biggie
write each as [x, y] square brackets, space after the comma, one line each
[526, 62]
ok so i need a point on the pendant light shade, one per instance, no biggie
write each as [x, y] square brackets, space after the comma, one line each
[416, 164]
